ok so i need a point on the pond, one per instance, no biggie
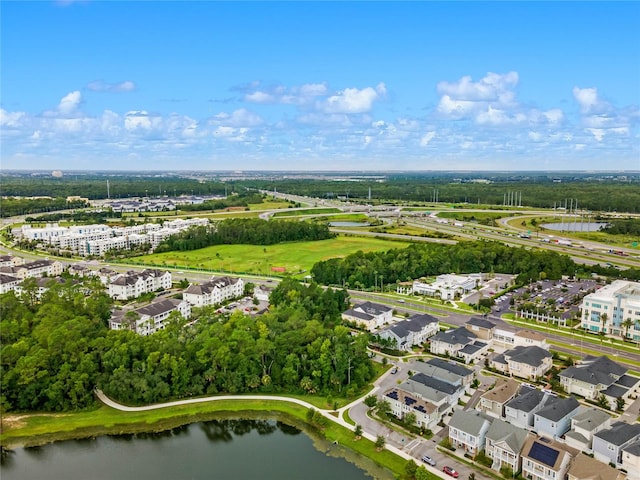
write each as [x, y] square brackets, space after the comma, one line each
[217, 449]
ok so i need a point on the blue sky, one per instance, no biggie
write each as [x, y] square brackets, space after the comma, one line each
[320, 86]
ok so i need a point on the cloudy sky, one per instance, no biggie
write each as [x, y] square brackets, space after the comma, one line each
[320, 86]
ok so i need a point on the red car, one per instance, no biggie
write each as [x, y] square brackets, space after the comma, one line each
[450, 471]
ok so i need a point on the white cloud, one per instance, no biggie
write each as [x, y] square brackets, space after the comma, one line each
[492, 88]
[279, 94]
[426, 138]
[353, 100]
[102, 86]
[70, 103]
[11, 119]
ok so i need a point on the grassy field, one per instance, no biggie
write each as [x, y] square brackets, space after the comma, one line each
[306, 211]
[258, 259]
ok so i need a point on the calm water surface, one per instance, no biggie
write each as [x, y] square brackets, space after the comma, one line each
[218, 449]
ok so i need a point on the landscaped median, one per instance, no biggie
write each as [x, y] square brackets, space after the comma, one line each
[38, 429]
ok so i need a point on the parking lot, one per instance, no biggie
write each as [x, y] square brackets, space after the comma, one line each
[244, 305]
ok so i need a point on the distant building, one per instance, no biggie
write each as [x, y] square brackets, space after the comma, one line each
[617, 302]
[591, 377]
[584, 425]
[467, 430]
[493, 401]
[446, 287]
[554, 418]
[530, 362]
[503, 444]
[608, 444]
[8, 283]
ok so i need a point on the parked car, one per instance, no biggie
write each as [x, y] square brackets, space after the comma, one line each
[450, 471]
[394, 370]
[429, 460]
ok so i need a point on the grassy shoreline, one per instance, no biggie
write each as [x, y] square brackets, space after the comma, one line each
[38, 429]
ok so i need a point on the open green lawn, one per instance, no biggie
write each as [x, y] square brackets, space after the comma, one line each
[306, 211]
[258, 259]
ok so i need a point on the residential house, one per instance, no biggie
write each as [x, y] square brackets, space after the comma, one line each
[529, 338]
[149, 318]
[608, 444]
[214, 291]
[584, 467]
[623, 388]
[370, 315]
[41, 284]
[503, 444]
[467, 430]
[8, 283]
[520, 410]
[413, 331]
[530, 362]
[439, 367]
[554, 418]
[403, 402]
[106, 275]
[473, 352]
[545, 459]
[133, 284]
[631, 460]
[583, 425]
[481, 327]
[451, 341]
[591, 376]
[493, 401]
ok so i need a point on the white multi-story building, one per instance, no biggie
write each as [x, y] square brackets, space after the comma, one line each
[38, 268]
[8, 283]
[133, 284]
[150, 318]
[214, 292]
[614, 309]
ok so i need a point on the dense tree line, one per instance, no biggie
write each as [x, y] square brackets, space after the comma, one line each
[56, 351]
[542, 191]
[85, 217]
[241, 200]
[247, 231]
[94, 186]
[627, 226]
[363, 270]
[24, 206]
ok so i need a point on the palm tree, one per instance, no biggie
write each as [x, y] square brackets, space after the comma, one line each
[603, 319]
[627, 324]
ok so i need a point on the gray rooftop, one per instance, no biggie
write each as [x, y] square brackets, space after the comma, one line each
[633, 449]
[557, 408]
[614, 391]
[501, 431]
[374, 309]
[434, 383]
[590, 418]
[472, 348]
[355, 313]
[451, 366]
[457, 336]
[529, 355]
[628, 381]
[619, 433]
[527, 401]
[595, 370]
[469, 421]
[481, 323]
[158, 308]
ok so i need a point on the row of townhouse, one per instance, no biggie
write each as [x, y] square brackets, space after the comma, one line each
[613, 310]
[430, 393]
[370, 315]
[535, 456]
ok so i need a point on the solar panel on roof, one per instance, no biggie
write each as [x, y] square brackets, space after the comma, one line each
[544, 454]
